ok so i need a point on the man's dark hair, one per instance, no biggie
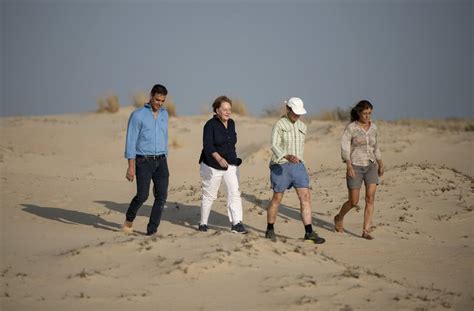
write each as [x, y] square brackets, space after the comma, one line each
[159, 89]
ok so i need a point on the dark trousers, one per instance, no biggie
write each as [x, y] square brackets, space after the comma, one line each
[148, 169]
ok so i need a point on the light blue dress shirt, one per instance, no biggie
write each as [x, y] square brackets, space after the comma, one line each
[145, 135]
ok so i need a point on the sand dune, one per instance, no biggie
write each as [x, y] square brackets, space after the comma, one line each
[64, 195]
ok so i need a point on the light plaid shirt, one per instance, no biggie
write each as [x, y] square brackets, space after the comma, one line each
[287, 138]
[359, 146]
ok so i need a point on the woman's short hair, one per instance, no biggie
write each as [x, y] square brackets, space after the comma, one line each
[357, 109]
[218, 102]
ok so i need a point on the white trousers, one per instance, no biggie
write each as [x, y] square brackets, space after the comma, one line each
[211, 180]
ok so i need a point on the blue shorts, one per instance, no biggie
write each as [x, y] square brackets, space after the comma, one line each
[287, 175]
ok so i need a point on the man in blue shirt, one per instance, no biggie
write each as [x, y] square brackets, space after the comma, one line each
[146, 149]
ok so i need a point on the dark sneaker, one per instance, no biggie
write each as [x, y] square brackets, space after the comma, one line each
[203, 228]
[270, 234]
[150, 232]
[313, 237]
[239, 228]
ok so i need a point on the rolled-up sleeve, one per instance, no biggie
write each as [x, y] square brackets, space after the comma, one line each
[346, 144]
[276, 143]
[208, 139]
[133, 130]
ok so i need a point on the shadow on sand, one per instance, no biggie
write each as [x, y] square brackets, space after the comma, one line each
[184, 215]
[71, 217]
[286, 212]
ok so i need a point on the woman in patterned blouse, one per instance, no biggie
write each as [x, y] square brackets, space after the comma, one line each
[360, 152]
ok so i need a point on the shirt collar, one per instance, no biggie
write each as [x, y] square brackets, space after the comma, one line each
[359, 125]
[148, 106]
[285, 116]
[216, 118]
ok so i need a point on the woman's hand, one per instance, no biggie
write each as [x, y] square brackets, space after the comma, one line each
[350, 170]
[381, 169]
[222, 162]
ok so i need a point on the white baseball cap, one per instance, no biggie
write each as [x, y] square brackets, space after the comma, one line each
[296, 105]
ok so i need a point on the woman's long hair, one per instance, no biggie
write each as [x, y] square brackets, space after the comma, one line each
[362, 105]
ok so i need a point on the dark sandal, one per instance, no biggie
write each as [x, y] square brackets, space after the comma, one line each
[338, 226]
[367, 236]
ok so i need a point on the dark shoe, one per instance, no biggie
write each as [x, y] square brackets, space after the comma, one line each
[239, 228]
[203, 228]
[366, 235]
[150, 232]
[270, 234]
[313, 237]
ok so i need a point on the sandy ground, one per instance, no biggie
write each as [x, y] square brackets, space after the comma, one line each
[64, 196]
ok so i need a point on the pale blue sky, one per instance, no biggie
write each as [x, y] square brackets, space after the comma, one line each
[411, 58]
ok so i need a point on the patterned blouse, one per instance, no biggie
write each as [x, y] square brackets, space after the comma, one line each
[287, 138]
[360, 146]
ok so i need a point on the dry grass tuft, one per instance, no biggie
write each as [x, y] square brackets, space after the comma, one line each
[239, 107]
[109, 103]
[170, 107]
[469, 127]
[274, 111]
[449, 124]
[139, 99]
[175, 144]
[337, 114]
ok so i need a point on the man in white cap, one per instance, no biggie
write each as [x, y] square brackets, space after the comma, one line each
[287, 168]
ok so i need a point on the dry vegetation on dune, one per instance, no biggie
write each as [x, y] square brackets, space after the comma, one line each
[108, 103]
[170, 107]
[239, 107]
[139, 99]
[448, 124]
[337, 114]
[344, 114]
[274, 111]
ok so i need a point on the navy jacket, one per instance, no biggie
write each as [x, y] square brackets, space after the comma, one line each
[217, 138]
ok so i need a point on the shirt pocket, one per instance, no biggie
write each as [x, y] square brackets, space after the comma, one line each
[285, 136]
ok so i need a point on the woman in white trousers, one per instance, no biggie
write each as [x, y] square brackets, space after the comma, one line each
[219, 162]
